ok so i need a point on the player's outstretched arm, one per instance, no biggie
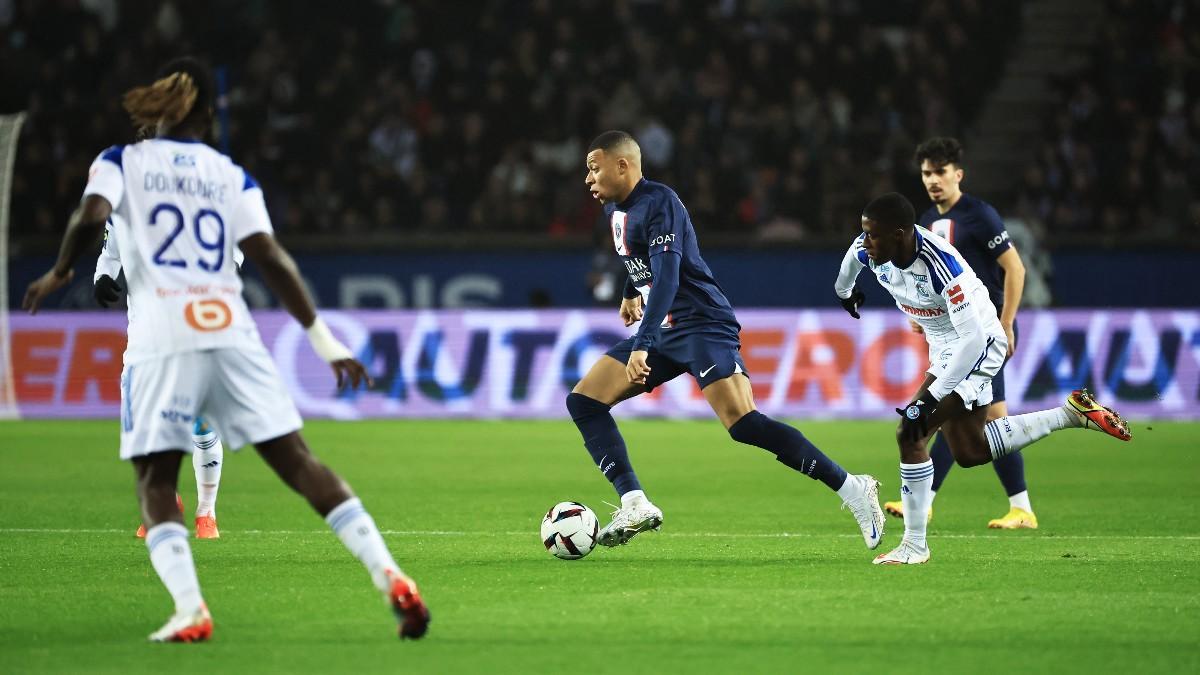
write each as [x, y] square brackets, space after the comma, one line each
[852, 263]
[279, 271]
[83, 229]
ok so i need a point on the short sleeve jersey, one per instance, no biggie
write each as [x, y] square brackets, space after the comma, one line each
[180, 208]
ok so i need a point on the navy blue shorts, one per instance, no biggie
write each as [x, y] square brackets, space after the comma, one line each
[998, 380]
[708, 353]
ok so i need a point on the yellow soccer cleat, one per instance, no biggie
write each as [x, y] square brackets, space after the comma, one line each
[1016, 519]
[896, 509]
[1095, 416]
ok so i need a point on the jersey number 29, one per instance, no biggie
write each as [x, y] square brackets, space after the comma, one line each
[168, 212]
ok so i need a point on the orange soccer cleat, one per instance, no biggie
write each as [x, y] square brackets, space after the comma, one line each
[141, 531]
[206, 528]
[190, 627]
[409, 608]
[1096, 416]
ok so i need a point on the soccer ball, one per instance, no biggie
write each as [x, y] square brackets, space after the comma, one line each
[569, 530]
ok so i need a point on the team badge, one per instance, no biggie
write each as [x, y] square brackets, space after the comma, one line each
[619, 223]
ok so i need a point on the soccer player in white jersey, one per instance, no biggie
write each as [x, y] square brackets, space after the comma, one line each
[935, 287]
[208, 455]
[193, 347]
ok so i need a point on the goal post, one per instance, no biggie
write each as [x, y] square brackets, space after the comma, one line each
[10, 132]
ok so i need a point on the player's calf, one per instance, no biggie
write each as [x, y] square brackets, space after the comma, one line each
[291, 459]
[157, 475]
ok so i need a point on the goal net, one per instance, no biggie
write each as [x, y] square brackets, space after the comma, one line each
[10, 131]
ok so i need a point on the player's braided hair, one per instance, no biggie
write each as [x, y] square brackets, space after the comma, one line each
[184, 85]
[168, 101]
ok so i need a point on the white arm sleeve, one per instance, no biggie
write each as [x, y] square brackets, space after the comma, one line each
[109, 262]
[971, 340]
[852, 264]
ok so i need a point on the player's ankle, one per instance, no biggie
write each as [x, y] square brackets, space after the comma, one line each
[633, 497]
[852, 488]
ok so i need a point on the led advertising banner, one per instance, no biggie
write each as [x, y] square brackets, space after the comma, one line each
[502, 364]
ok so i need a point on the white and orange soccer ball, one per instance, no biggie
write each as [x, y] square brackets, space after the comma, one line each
[569, 530]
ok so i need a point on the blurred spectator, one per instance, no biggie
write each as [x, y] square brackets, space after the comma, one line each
[1121, 149]
[772, 116]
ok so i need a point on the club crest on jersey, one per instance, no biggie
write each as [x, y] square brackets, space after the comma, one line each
[923, 292]
[619, 230]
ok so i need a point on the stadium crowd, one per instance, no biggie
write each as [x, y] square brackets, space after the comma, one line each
[770, 118]
[388, 116]
[1122, 150]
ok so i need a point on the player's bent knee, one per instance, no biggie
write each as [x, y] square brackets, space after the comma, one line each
[581, 406]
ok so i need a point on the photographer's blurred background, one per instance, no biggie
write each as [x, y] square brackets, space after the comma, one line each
[407, 146]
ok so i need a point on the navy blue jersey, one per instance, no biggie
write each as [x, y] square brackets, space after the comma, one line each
[652, 221]
[974, 228]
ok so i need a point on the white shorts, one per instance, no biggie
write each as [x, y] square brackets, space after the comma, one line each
[976, 387]
[238, 391]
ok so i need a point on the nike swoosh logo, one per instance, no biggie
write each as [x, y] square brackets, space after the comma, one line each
[873, 531]
[706, 370]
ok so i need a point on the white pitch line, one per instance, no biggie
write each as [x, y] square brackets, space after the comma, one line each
[680, 535]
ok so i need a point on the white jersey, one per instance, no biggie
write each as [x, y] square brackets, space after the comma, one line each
[939, 291]
[180, 209]
[109, 262]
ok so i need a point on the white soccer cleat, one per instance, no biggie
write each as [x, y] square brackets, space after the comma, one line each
[186, 627]
[628, 521]
[907, 553]
[867, 511]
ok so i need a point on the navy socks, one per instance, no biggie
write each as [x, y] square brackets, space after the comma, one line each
[789, 447]
[603, 441]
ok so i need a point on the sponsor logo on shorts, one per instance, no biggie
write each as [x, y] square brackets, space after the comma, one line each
[171, 415]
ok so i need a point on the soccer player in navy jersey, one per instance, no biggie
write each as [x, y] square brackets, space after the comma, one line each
[687, 326]
[975, 229]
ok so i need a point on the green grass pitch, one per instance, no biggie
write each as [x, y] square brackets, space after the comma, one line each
[756, 569]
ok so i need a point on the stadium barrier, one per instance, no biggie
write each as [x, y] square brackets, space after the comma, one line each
[521, 363]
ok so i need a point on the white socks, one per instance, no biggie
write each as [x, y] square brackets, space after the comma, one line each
[631, 497]
[915, 493]
[207, 459]
[172, 559]
[1021, 501]
[851, 489]
[355, 527]
[1009, 434]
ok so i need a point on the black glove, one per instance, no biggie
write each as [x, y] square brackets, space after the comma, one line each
[915, 423]
[852, 303]
[107, 291]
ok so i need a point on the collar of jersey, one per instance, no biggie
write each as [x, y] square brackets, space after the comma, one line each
[625, 203]
[916, 250]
